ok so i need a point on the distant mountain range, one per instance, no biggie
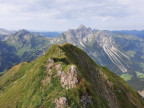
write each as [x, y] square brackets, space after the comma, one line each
[25, 45]
[121, 51]
[65, 77]
[5, 32]
[48, 34]
[139, 33]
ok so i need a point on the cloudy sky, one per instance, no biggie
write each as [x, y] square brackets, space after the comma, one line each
[60, 15]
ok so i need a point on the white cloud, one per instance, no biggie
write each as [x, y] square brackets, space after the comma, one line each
[64, 14]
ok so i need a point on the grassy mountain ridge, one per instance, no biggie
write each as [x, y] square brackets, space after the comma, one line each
[21, 46]
[42, 83]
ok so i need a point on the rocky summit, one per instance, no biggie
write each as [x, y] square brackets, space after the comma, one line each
[65, 77]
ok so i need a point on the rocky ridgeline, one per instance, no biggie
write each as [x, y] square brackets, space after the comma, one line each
[68, 80]
[65, 77]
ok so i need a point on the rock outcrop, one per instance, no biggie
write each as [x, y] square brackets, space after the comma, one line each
[69, 79]
[85, 100]
[51, 65]
[61, 103]
[141, 93]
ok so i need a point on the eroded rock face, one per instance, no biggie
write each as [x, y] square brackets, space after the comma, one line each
[141, 93]
[51, 65]
[50, 60]
[61, 103]
[69, 79]
[86, 100]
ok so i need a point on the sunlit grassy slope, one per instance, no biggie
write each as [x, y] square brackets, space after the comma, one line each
[22, 87]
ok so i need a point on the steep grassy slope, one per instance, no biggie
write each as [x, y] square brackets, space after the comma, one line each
[8, 57]
[65, 73]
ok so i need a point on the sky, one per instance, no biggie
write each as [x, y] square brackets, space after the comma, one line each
[60, 15]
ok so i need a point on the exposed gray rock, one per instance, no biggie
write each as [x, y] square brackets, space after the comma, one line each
[86, 100]
[59, 53]
[59, 73]
[50, 60]
[49, 67]
[141, 93]
[61, 103]
[69, 79]
[58, 66]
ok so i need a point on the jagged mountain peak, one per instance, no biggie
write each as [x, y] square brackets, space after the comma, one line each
[22, 32]
[65, 77]
[104, 39]
[81, 27]
[75, 36]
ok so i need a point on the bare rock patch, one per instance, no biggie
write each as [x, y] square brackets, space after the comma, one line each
[61, 103]
[69, 79]
[86, 100]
